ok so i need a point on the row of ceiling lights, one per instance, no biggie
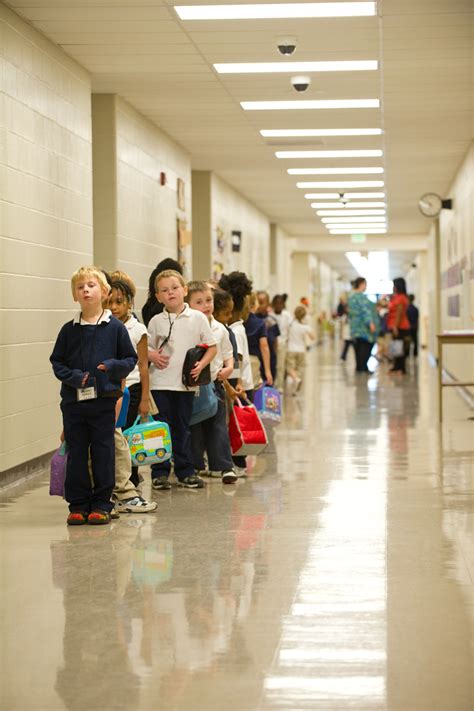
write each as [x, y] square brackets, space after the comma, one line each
[343, 218]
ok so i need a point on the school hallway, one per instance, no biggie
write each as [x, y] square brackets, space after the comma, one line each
[339, 575]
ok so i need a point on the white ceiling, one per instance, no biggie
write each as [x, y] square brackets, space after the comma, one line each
[163, 67]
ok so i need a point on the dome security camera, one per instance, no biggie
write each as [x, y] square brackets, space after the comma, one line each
[300, 83]
[286, 45]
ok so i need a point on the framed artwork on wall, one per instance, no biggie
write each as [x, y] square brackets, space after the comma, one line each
[236, 240]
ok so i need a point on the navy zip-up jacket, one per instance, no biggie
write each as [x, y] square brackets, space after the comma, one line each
[111, 345]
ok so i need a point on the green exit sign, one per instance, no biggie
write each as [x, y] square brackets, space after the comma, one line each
[358, 239]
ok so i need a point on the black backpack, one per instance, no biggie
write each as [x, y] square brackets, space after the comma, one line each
[193, 355]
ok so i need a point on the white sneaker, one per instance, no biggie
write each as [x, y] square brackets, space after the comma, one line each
[240, 472]
[136, 505]
[215, 475]
[229, 477]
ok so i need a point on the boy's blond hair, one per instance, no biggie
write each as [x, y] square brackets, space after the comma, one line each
[118, 275]
[84, 273]
[167, 274]
[300, 313]
[196, 286]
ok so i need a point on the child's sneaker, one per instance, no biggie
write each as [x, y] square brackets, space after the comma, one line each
[98, 518]
[76, 518]
[160, 482]
[136, 505]
[191, 482]
[114, 514]
[229, 477]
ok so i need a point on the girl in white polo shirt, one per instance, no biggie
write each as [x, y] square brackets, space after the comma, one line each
[170, 335]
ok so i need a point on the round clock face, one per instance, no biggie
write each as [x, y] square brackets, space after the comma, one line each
[430, 204]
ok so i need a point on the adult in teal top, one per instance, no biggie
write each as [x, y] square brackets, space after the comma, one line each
[363, 318]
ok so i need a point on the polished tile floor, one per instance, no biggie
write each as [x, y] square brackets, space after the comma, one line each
[340, 575]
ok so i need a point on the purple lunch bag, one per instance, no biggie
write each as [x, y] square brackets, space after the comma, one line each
[58, 471]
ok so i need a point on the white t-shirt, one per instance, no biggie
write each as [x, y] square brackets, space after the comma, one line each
[136, 331]
[238, 329]
[283, 320]
[297, 337]
[188, 329]
[224, 347]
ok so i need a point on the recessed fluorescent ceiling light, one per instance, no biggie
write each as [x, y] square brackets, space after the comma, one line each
[271, 10]
[353, 220]
[348, 215]
[308, 132]
[334, 171]
[354, 232]
[329, 154]
[343, 208]
[343, 184]
[288, 67]
[337, 196]
[318, 104]
[355, 225]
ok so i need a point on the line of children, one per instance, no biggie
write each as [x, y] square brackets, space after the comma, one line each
[105, 349]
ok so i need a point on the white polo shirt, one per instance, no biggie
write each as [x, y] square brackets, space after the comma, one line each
[136, 331]
[188, 329]
[283, 320]
[297, 337]
[224, 347]
[240, 334]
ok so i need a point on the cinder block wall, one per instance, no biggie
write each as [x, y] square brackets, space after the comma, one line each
[45, 227]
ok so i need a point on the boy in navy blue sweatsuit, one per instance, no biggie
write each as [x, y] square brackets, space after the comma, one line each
[92, 355]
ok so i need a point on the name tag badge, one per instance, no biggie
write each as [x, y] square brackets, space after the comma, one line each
[87, 393]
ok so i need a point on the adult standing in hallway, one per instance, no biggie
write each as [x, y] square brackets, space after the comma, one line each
[363, 318]
[398, 324]
[413, 315]
[152, 306]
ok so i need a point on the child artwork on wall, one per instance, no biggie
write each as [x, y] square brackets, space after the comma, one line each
[219, 251]
[180, 194]
[184, 247]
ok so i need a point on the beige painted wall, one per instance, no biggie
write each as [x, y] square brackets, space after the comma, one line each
[45, 228]
[281, 249]
[135, 217]
[148, 211]
[456, 228]
[230, 211]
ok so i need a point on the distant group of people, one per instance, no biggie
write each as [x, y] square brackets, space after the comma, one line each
[105, 349]
[392, 323]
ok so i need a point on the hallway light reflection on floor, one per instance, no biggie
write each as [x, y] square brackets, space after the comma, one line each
[340, 600]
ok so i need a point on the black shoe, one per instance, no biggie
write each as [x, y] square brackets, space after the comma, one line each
[191, 482]
[160, 482]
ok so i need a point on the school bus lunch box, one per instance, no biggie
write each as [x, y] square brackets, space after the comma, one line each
[149, 442]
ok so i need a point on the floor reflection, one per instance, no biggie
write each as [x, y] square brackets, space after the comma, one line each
[339, 575]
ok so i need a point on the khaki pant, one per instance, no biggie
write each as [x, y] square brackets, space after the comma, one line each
[124, 489]
[281, 366]
[296, 362]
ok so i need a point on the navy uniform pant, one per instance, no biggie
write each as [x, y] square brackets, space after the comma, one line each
[212, 436]
[89, 425]
[175, 408]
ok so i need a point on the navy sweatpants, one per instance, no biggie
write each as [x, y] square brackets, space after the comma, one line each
[212, 436]
[89, 424]
[175, 408]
